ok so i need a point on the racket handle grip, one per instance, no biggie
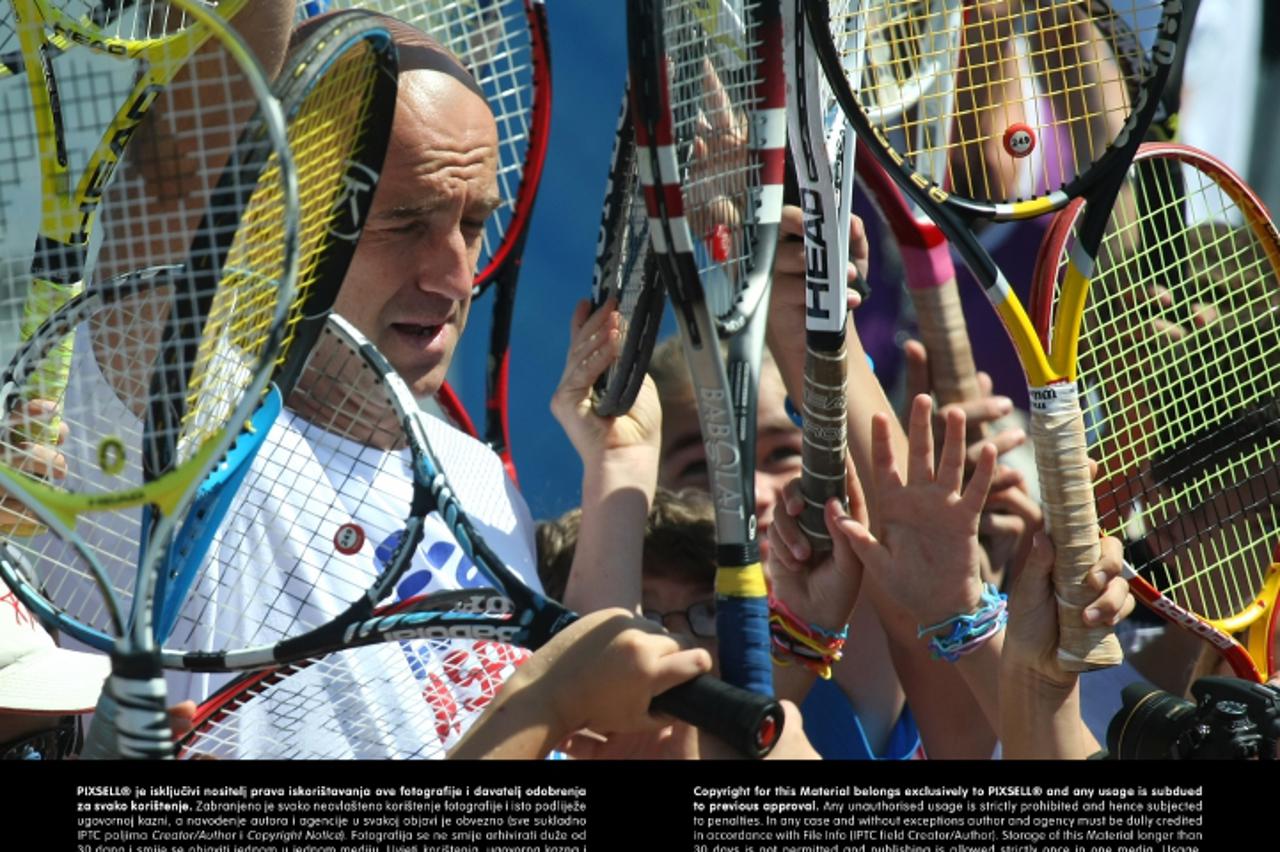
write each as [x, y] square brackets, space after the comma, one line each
[1062, 460]
[747, 721]
[826, 416]
[130, 721]
[952, 373]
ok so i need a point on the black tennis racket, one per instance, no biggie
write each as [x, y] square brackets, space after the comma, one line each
[708, 101]
[626, 270]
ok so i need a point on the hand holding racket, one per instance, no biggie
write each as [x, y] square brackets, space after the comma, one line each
[1095, 172]
[1179, 378]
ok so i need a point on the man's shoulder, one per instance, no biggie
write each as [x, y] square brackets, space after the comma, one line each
[475, 474]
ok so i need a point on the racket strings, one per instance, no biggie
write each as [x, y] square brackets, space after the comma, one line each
[392, 700]
[68, 581]
[312, 501]
[715, 87]
[1018, 99]
[1178, 353]
[324, 146]
[136, 21]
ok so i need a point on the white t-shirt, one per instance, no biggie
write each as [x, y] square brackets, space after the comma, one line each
[310, 527]
[277, 566]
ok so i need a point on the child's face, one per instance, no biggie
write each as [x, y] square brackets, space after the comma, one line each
[685, 608]
[778, 448]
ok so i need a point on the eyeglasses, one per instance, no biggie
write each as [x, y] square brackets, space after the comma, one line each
[57, 743]
[700, 616]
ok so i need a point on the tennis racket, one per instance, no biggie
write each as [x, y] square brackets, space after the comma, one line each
[626, 270]
[708, 101]
[504, 43]
[930, 278]
[822, 146]
[342, 545]
[172, 360]
[338, 93]
[1104, 126]
[912, 58]
[1179, 382]
[154, 44]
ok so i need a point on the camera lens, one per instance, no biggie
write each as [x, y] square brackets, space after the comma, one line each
[1149, 724]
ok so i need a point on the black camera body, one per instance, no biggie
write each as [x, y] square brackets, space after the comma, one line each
[1231, 719]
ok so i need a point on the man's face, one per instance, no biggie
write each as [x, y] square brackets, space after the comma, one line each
[409, 286]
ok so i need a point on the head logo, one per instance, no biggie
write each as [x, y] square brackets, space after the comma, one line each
[351, 204]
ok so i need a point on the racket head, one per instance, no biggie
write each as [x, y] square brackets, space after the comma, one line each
[1042, 101]
[505, 46]
[1179, 376]
[338, 90]
[171, 356]
[714, 110]
[626, 270]
[338, 545]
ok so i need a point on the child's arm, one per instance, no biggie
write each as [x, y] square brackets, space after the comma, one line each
[620, 467]
[927, 557]
[602, 673]
[951, 722]
[1040, 702]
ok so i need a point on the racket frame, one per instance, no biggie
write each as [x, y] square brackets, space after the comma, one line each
[1254, 658]
[1057, 425]
[725, 392]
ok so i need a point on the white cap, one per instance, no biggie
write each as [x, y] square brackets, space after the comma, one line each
[38, 676]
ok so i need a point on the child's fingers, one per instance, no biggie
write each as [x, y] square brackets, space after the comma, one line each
[884, 470]
[786, 538]
[975, 494]
[950, 473]
[920, 441]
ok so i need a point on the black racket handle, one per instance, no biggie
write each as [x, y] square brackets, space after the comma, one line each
[747, 721]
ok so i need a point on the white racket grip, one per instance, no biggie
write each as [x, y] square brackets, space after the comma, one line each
[1062, 460]
[130, 721]
[946, 338]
